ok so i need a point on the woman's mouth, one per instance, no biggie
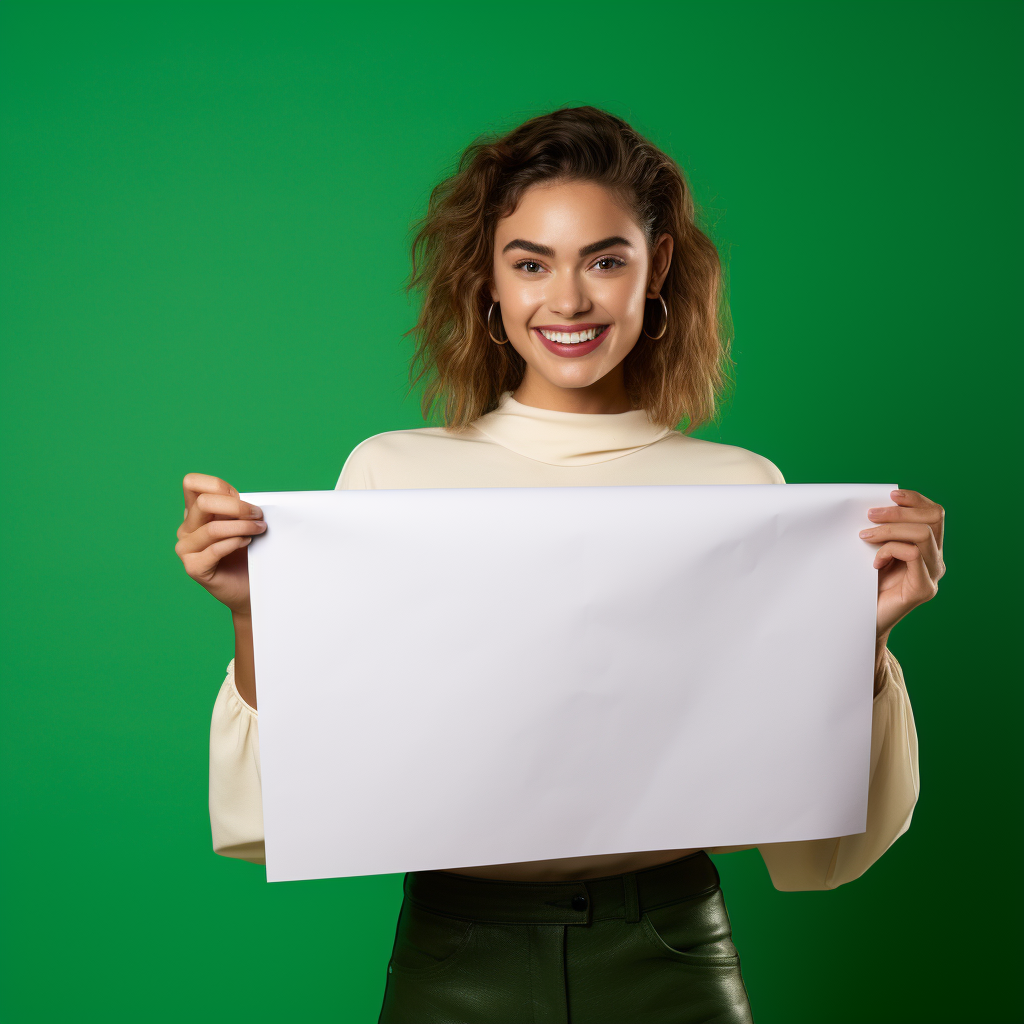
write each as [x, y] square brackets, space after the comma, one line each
[572, 341]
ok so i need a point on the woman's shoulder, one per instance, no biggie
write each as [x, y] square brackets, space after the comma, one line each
[394, 448]
[716, 460]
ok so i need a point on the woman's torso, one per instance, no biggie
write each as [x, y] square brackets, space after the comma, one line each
[572, 868]
[520, 446]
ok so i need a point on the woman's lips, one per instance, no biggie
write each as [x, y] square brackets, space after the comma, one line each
[572, 350]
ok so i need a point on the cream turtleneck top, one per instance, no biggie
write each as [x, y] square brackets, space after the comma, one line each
[521, 446]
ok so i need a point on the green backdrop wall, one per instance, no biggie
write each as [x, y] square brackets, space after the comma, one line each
[206, 212]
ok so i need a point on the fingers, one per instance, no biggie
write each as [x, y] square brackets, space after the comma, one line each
[226, 505]
[209, 535]
[913, 507]
[200, 564]
[896, 549]
[208, 496]
[196, 483]
[918, 534]
[193, 485]
[895, 513]
[920, 585]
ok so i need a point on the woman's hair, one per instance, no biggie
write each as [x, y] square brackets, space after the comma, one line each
[678, 376]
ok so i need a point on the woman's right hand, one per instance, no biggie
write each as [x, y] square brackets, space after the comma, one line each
[212, 540]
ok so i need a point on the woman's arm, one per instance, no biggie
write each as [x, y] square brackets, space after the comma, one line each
[244, 663]
[893, 789]
[211, 542]
[910, 564]
[236, 800]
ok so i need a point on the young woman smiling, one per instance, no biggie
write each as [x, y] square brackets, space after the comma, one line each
[572, 316]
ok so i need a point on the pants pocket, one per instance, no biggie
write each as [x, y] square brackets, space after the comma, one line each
[695, 931]
[427, 943]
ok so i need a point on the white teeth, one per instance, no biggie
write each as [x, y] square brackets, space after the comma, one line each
[572, 339]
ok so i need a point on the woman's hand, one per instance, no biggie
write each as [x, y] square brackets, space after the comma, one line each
[909, 559]
[212, 539]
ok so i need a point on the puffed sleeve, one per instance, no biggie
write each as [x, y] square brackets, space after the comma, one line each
[893, 789]
[236, 800]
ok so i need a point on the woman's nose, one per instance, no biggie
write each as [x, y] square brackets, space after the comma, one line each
[567, 298]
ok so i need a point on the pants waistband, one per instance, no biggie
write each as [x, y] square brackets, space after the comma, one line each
[579, 902]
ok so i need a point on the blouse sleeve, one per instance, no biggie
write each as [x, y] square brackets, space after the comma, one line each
[236, 799]
[893, 789]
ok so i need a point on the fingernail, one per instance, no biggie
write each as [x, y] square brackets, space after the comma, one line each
[874, 511]
[899, 494]
[262, 524]
[256, 512]
[865, 533]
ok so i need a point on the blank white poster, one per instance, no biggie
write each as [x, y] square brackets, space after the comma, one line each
[456, 677]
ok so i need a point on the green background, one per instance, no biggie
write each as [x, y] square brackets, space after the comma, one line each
[206, 212]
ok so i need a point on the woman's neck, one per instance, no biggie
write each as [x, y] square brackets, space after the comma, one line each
[607, 395]
[564, 437]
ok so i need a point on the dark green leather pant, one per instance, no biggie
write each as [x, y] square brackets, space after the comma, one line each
[647, 947]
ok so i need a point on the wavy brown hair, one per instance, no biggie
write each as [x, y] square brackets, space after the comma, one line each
[680, 376]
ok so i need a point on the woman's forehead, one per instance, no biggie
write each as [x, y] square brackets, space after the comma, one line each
[566, 217]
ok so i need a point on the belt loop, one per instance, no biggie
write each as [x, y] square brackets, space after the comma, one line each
[631, 899]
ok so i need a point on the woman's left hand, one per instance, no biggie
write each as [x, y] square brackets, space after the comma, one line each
[909, 559]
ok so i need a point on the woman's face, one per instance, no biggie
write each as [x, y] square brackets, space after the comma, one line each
[571, 272]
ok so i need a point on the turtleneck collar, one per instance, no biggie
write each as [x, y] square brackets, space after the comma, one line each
[568, 438]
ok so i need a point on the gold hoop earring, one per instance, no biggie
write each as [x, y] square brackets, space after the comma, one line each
[497, 341]
[664, 326]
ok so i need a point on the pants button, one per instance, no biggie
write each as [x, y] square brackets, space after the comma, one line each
[579, 903]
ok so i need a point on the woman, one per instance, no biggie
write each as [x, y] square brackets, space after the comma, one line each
[571, 319]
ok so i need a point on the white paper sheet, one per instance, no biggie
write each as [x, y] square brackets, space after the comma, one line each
[455, 677]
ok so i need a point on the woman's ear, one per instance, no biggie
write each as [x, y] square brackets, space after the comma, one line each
[660, 263]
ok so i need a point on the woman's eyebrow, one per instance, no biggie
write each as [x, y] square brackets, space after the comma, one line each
[546, 250]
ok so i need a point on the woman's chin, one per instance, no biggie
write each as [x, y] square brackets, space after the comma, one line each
[573, 381]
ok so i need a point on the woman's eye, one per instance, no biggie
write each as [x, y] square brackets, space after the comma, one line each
[613, 260]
